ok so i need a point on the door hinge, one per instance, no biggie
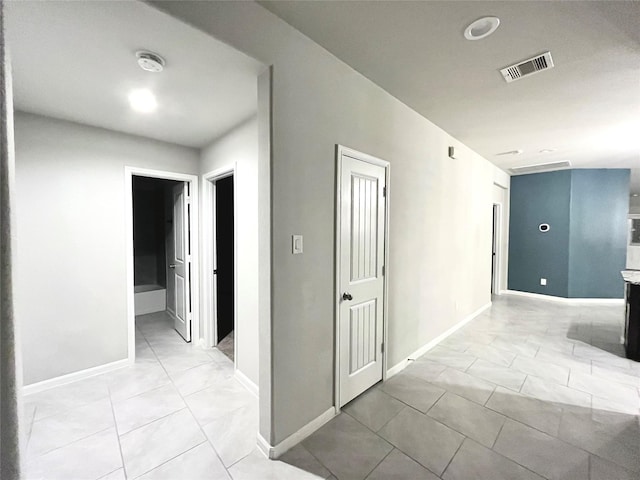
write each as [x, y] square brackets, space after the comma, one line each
[382, 270]
[384, 191]
[382, 347]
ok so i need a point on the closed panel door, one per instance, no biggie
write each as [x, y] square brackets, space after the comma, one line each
[362, 218]
[179, 266]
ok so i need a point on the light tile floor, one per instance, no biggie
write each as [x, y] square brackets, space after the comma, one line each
[178, 413]
[529, 390]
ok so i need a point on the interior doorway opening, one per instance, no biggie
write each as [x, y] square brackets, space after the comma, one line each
[161, 250]
[162, 253]
[224, 265]
[220, 261]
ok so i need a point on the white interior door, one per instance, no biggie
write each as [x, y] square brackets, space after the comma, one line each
[180, 263]
[361, 310]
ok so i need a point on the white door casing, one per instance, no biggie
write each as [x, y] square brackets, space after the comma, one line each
[361, 282]
[180, 263]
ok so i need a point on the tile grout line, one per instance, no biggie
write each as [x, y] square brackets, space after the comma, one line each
[186, 407]
[115, 426]
[378, 464]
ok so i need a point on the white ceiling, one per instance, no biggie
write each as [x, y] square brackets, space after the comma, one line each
[76, 61]
[587, 108]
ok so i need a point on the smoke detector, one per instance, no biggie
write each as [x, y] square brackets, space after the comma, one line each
[540, 167]
[527, 67]
[150, 62]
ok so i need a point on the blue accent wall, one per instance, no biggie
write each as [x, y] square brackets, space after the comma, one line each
[598, 241]
[583, 253]
[535, 199]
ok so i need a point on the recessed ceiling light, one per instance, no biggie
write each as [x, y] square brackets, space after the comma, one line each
[547, 150]
[634, 194]
[481, 28]
[143, 101]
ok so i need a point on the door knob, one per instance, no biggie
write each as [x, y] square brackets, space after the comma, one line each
[172, 265]
[347, 296]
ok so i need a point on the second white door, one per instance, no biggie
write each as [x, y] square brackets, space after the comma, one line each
[179, 266]
[361, 263]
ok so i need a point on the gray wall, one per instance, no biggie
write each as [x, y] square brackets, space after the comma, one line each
[598, 244]
[440, 230]
[71, 268]
[583, 253]
[239, 147]
[535, 199]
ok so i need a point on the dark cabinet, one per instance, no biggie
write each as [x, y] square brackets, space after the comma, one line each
[632, 321]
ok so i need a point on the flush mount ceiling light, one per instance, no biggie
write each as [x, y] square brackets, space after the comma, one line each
[143, 101]
[511, 152]
[150, 62]
[481, 28]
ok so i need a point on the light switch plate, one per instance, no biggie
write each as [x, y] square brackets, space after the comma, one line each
[543, 281]
[296, 244]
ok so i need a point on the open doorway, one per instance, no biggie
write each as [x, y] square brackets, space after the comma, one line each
[495, 251]
[161, 250]
[162, 253]
[219, 258]
[224, 266]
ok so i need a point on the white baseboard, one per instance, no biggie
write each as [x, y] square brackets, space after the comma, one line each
[292, 440]
[397, 368]
[246, 382]
[73, 377]
[540, 296]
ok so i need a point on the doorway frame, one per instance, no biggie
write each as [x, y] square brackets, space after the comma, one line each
[210, 324]
[194, 236]
[496, 234]
[340, 151]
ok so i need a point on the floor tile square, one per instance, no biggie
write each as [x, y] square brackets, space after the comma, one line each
[347, 448]
[301, 458]
[475, 462]
[468, 418]
[199, 463]
[258, 467]
[219, 400]
[412, 391]
[427, 441]
[541, 415]
[235, 434]
[500, 375]
[374, 408]
[450, 358]
[146, 407]
[465, 385]
[545, 455]
[397, 466]
[547, 371]
[64, 428]
[90, 458]
[149, 446]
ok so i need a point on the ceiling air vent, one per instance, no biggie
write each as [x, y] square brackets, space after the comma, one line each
[540, 167]
[527, 67]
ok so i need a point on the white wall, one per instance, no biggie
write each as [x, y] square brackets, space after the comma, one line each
[239, 147]
[440, 230]
[71, 271]
[501, 185]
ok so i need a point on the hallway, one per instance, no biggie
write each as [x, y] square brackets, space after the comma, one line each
[177, 413]
[530, 389]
